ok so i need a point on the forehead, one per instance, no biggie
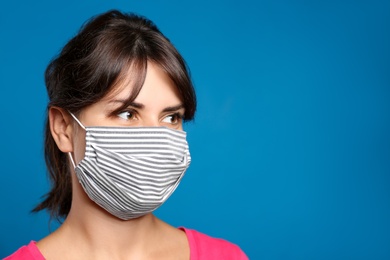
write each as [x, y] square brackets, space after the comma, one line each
[150, 84]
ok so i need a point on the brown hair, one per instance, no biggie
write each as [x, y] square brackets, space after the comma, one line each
[88, 67]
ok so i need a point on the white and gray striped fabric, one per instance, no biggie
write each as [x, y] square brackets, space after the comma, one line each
[131, 171]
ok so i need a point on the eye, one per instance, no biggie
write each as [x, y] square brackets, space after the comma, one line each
[127, 115]
[173, 119]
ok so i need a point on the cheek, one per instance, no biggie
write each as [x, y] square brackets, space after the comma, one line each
[79, 146]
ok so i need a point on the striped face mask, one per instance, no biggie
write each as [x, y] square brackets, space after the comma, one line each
[131, 171]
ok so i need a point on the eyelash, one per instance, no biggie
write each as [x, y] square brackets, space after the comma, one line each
[178, 117]
[129, 111]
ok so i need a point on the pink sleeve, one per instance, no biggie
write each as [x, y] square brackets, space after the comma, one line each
[29, 252]
[204, 247]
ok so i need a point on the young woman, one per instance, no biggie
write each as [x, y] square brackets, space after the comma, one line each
[115, 146]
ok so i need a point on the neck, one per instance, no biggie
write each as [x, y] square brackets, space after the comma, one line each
[111, 234]
[99, 233]
[93, 233]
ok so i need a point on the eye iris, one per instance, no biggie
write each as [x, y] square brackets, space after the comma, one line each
[127, 115]
[174, 119]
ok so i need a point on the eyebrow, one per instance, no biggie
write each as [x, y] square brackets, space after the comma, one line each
[126, 103]
[174, 108]
[141, 106]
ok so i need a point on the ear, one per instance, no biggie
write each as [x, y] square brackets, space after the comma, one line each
[61, 127]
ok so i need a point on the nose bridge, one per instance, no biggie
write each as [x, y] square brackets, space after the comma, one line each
[150, 121]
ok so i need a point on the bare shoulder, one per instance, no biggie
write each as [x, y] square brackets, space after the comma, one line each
[203, 246]
[54, 246]
[173, 241]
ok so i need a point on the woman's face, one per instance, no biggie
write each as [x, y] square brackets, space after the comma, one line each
[157, 104]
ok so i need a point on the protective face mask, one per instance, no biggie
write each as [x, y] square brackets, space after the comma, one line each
[131, 171]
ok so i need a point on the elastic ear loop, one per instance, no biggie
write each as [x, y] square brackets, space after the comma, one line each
[75, 118]
[71, 160]
[83, 127]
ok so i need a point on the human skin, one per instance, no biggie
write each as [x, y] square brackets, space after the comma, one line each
[89, 232]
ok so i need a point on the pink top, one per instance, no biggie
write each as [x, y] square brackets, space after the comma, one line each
[202, 247]
[30, 251]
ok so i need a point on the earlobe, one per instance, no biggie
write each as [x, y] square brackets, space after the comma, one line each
[61, 128]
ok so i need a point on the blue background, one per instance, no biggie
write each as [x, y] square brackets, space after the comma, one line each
[291, 144]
